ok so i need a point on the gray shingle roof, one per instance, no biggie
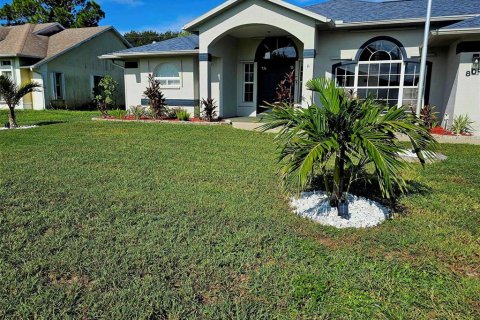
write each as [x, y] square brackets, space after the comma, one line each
[348, 11]
[466, 24]
[363, 10]
[22, 41]
[187, 43]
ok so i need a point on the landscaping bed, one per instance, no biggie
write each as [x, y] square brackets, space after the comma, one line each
[444, 132]
[196, 121]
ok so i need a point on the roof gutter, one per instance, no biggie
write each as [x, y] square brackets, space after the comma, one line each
[459, 31]
[19, 56]
[148, 54]
[341, 24]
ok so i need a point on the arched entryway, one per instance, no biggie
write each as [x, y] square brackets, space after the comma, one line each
[276, 57]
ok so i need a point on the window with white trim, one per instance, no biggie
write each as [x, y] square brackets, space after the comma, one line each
[248, 81]
[58, 86]
[168, 75]
[7, 73]
[6, 68]
[381, 73]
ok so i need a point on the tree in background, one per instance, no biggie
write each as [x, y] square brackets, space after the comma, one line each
[141, 38]
[69, 13]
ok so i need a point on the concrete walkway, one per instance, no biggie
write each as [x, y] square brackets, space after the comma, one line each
[252, 124]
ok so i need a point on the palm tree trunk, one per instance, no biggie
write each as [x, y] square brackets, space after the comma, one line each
[12, 119]
[338, 179]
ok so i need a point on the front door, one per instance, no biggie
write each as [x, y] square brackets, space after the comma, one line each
[270, 75]
[276, 58]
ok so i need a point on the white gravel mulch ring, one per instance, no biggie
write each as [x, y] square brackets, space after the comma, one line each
[363, 213]
[19, 128]
[411, 156]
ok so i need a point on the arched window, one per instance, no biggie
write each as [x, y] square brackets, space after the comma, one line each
[381, 72]
[276, 48]
[381, 50]
[168, 75]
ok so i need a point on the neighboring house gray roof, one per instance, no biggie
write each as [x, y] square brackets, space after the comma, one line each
[184, 43]
[357, 11]
[26, 40]
[473, 23]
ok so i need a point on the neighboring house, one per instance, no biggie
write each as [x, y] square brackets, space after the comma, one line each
[64, 61]
[242, 49]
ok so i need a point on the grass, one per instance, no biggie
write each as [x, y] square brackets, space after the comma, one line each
[28, 117]
[128, 220]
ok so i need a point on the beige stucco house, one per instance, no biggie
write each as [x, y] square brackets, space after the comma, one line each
[240, 51]
[64, 61]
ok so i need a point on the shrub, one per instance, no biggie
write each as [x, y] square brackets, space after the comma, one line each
[104, 94]
[155, 94]
[285, 88]
[172, 112]
[183, 115]
[119, 113]
[150, 113]
[462, 124]
[209, 107]
[349, 134]
[196, 112]
[428, 115]
[137, 112]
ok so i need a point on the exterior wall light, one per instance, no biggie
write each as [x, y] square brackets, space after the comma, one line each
[476, 61]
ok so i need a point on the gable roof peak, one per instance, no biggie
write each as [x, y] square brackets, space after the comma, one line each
[230, 3]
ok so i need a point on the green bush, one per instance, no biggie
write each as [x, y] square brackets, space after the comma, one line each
[462, 124]
[196, 112]
[183, 115]
[119, 113]
[137, 111]
[104, 94]
[172, 112]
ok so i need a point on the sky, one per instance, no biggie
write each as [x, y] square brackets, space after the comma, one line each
[159, 15]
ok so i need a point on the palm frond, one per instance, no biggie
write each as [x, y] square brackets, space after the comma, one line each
[26, 88]
[7, 88]
[13, 94]
[357, 132]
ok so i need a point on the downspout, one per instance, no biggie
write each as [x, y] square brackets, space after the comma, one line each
[115, 64]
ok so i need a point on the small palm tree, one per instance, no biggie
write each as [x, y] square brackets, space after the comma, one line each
[349, 134]
[12, 94]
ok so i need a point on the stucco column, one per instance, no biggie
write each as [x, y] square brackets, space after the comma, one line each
[308, 74]
[205, 75]
[38, 96]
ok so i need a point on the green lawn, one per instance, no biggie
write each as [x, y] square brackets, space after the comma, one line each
[129, 220]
